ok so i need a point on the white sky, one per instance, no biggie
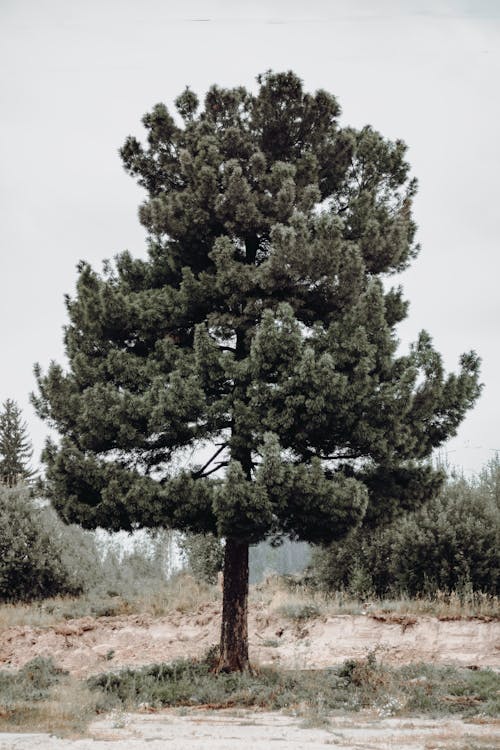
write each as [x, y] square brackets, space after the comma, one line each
[76, 77]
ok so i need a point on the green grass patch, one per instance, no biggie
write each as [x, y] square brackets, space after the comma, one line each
[31, 683]
[435, 690]
[356, 684]
[42, 697]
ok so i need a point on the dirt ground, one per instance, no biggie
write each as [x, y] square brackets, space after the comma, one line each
[87, 646]
[231, 730]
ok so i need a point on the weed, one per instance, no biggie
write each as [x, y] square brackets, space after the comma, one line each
[438, 690]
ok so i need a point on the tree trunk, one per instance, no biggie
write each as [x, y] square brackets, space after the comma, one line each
[234, 630]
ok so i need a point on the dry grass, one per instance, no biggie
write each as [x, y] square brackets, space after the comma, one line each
[284, 597]
[41, 697]
[66, 712]
[181, 594]
[297, 602]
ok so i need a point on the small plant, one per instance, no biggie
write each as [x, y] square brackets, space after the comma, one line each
[33, 682]
[389, 706]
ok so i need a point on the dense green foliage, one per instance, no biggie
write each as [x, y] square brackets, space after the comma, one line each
[39, 555]
[259, 323]
[450, 544]
[15, 447]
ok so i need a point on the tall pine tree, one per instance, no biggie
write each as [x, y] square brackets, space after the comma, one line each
[260, 324]
[15, 447]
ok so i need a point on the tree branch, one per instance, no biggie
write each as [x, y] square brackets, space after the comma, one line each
[199, 473]
[218, 465]
[337, 456]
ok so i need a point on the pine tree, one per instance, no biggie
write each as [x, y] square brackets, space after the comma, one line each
[15, 447]
[261, 323]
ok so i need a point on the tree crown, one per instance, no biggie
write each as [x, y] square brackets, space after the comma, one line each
[259, 323]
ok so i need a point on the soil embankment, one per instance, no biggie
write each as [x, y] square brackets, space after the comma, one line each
[87, 645]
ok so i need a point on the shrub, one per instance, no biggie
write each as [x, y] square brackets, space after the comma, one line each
[450, 544]
[453, 543]
[355, 684]
[39, 555]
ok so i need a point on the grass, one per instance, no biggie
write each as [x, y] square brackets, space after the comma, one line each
[41, 697]
[288, 599]
[298, 602]
[357, 684]
[181, 594]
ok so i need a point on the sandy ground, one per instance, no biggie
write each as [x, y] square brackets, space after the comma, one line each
[224, 730]
[86, 646]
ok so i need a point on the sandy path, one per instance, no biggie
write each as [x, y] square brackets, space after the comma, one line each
[227, 731]
[87, 645]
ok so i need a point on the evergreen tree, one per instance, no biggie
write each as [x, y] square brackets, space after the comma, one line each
[15, 447]
[259, 324]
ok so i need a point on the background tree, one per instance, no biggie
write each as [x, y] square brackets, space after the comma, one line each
[15, 447]
[39, 555]
[452, 543]
[259, 324]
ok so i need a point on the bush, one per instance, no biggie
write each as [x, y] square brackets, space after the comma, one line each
[39, 555]
[451, 544]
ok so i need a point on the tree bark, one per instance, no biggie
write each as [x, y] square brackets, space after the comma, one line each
[234, 630]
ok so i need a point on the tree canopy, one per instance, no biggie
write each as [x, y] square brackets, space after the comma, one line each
[262, 323]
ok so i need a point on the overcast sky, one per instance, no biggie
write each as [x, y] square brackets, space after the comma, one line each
[76, 77]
